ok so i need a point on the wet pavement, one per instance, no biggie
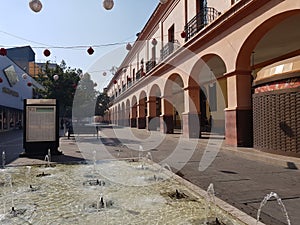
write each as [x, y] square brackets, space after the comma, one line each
[241, 177]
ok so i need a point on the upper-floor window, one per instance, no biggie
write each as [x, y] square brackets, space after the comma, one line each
[171, 34]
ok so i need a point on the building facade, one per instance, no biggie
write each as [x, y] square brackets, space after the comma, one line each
[215, 67]
[15, 86]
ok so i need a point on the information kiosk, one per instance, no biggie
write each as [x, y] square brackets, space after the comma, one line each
[41, 125]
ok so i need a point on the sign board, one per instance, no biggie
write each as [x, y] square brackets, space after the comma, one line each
[41, 126]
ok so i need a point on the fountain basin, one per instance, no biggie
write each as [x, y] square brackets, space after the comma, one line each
[130, 196]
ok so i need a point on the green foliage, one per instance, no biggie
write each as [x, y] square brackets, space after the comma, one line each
[101, 104]
[85, 98]
[63, 89]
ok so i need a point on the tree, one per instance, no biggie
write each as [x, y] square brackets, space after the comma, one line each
[101, 104]
[85, 98]
[63, 89]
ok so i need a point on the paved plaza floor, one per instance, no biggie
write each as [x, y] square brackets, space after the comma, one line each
[241, 177]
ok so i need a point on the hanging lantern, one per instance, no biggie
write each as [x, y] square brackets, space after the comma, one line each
[108, 4]
[1, 80]
[46, 52]
[154, 41]
[128, 79]
[3, 51]
[55, 77]
[29, 84]
[115, 81]
[183, 34]
[163, 1]
[128, 47]
[104, 73]
[24, 76]
[90, 50]
[35, 5]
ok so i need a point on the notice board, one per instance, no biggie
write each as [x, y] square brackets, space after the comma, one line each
[41, 125]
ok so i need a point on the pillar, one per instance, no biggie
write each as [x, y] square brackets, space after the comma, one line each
[141, 114]
[152, 119]
[133, 116]
[191, 116]
[238, 115]
[166, 119]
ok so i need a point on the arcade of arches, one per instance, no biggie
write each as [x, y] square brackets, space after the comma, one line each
[245, 88]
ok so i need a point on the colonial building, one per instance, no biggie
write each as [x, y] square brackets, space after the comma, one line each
[221, 67]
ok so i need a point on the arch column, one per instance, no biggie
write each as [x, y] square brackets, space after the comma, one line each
[141, 121]
[133, 116]
[191, 116]
[127, 116]
[152, 119]
[166, 118]
[238, 115]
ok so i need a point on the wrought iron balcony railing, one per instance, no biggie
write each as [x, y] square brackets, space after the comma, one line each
[202, 19]
[166, 50]
[150, 65]
[138, 74]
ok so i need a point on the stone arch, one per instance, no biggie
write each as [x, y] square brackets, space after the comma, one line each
[207, 91]
[154, 106]
[119, 114]
[173, 104]
[142, 110]
[269, 53]
[244, 56]
[127, 113]
[133, 114]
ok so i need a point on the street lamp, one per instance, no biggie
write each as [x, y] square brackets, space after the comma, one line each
[35, 5]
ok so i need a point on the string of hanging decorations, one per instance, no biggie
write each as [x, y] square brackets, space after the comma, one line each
[36, 5]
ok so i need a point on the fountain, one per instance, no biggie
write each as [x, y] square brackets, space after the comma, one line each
[47, 160]
[280, 203]
[210, 203]
[49, 155]
[3, 160]
[128, 198]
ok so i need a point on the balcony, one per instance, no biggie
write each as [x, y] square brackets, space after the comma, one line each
[202, 19]
[168, 49]
[150, 65]
[139, 74]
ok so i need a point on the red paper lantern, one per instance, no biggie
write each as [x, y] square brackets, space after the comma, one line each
[90, 50]
[115, 81]
[129, 78]
[1, 80]
[47, 52]
[183, 34]
[154, 41]
[3, 51]
[29, 84]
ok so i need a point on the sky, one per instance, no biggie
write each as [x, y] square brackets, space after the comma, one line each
[70, 23]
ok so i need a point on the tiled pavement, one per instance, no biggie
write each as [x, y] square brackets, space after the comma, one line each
[241, 176]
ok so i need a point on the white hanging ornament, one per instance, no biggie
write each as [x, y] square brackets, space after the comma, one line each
[35, 5]
[55, 77]
[108, 4]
